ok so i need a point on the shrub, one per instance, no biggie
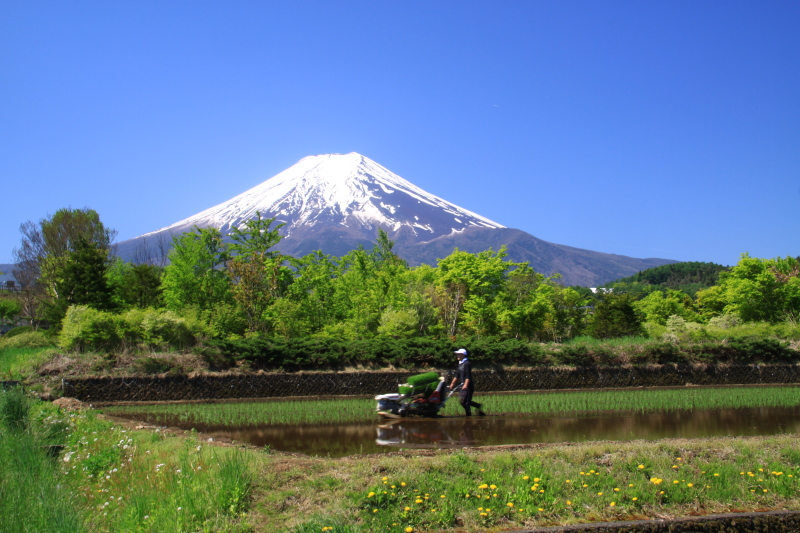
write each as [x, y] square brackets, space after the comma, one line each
[575, 355]
[27, 339]
[662, 353]
[19, 330]
[164, 328]
[154, 365]
[758, 349]
[86, 328]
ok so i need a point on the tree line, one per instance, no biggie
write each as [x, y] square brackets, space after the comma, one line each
[239, 286]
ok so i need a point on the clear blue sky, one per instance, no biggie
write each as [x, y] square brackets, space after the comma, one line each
[651, 129]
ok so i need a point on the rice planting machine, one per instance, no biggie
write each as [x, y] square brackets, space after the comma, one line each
[423, 395]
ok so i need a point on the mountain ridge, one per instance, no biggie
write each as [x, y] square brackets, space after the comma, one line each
[336, 202]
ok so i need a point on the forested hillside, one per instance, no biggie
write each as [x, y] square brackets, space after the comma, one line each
[689, 277]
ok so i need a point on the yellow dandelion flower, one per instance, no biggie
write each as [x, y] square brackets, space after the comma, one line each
[370, 495]
[612, 504]
[409, 529]
[374, 510]
[442, 496]
[407, 509]
[541, 510]
[616, 490]
[634, 499]
[536, 480]
[599, 493]
[509, 504]
[526, 478]
[641, 467]
[569, 502]
[492, 487]
[690, 484]
[402, 483]
[567, 481]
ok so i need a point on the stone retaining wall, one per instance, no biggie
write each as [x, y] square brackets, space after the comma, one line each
[370, 383]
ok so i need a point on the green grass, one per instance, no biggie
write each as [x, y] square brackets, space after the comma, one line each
[109, 479]
[584, 483]
[621, 342]
[243, 414]
[15, 362]
[31, 497]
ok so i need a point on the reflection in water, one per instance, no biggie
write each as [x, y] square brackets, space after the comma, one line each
[338, 440]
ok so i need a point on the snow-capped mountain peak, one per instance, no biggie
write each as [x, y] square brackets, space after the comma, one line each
[348, 190]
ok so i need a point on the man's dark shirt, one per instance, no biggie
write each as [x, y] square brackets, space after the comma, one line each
[465, 373]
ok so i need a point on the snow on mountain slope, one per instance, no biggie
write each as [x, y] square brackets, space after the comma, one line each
[348, 190]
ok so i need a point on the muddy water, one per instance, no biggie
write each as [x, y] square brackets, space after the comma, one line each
[338, 440]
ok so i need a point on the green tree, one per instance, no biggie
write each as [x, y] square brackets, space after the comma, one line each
[81, 281]
[467, 285]
[10, 309]
[658, 306]
[615, 316]
[761, 289]
[194, 276]
[313, 293]
[256, 271]
[135, 286]
[523, 306]
[44, 253]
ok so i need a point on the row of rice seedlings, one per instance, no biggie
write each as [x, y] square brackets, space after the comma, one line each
[254, 413]
[351, 410]
[644, 400]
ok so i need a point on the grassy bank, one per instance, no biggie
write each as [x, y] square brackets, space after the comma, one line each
[362, 409]
[75, 472]
[114, 478]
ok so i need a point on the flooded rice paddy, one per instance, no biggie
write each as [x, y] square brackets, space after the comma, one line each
[379, 436]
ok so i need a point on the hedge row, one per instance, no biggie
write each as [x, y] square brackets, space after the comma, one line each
[315, 353]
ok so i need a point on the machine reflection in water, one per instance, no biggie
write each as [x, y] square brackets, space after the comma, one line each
[411, 433]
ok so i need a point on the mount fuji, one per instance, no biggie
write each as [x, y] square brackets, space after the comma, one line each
[335, 202]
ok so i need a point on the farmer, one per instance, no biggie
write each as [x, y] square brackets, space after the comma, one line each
[464, 376]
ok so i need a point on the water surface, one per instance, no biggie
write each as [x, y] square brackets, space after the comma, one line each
[338, 440]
